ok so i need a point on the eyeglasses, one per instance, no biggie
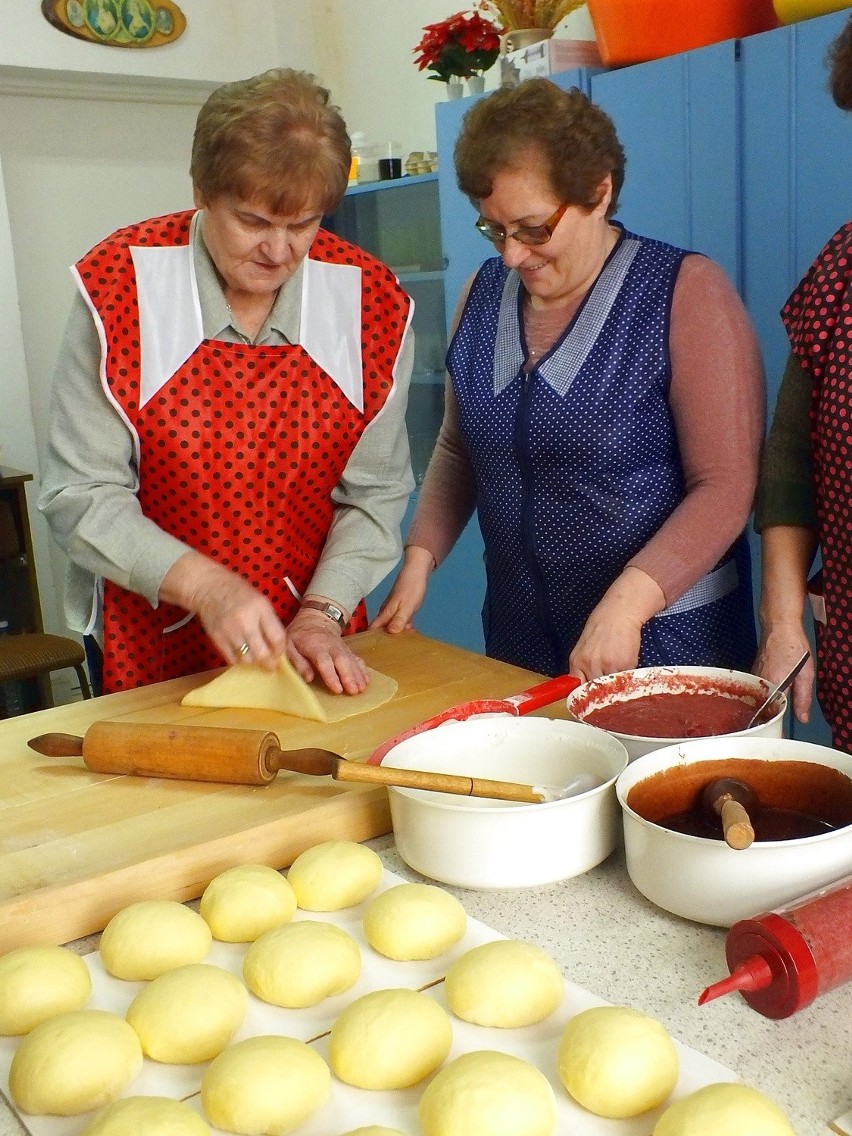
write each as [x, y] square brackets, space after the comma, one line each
[524, 234]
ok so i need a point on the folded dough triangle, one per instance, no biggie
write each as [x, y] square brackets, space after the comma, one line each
[251, 687]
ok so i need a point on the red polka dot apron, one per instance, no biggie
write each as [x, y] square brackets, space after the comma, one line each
[818, 318]
[239, 446]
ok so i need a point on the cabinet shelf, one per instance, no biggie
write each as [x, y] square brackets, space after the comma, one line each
[398, 222]
[392, 184]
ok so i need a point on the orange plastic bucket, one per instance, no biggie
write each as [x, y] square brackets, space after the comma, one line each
[633, 31]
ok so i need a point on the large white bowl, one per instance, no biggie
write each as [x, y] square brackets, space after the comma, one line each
[624, 685]
[703, 879]
[479, 843]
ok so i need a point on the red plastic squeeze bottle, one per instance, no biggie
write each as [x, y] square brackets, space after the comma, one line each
[782, 960]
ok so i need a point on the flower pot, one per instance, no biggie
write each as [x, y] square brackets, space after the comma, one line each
[634, 31]
[475, 84]
[524, 37]
[791, 11]
[455, 88]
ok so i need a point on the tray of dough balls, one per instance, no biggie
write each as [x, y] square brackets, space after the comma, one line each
[333, 1000]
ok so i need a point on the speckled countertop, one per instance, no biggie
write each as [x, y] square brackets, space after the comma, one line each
[610, 940]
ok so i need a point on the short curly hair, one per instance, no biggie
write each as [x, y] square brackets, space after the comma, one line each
[575, 137]
[840, 67]
[272, 139]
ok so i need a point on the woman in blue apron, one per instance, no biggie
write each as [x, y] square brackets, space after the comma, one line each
[604, 414]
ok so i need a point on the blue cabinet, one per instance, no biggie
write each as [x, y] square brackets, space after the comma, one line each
[682, 178]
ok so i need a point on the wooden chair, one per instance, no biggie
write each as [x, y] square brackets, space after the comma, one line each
[34, 654]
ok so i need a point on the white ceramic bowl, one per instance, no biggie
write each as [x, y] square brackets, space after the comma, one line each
[624, 685]
[703, 879]
[480, 843]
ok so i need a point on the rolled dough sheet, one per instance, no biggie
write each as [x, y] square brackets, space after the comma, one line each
[250, 687]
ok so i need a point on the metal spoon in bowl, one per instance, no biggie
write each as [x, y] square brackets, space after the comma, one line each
[781, 688]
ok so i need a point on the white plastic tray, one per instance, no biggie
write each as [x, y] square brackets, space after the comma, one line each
[347, 1107]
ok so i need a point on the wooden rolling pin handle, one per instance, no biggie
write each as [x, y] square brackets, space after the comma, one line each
[189, 753]
[437, 782]
[736, 824]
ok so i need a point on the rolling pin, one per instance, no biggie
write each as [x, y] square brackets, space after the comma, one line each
[252, 757]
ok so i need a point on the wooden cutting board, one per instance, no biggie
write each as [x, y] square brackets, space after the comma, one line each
[75, 846]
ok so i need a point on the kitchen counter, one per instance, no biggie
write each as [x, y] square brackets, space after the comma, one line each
[606, 937]
[610, 940]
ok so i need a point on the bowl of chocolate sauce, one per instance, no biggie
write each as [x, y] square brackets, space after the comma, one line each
[651, 707]
[801, 812]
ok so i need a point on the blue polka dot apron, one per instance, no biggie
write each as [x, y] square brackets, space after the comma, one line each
[577, 466]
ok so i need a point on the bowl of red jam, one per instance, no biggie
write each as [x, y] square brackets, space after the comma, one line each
[651, 707]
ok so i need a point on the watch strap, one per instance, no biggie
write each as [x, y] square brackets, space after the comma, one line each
[335, 613]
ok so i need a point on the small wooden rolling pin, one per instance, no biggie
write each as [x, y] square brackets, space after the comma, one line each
[249, 757]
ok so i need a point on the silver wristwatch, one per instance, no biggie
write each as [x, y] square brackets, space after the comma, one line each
[330, 609]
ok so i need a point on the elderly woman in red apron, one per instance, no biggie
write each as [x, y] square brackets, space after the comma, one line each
[804, 499]
[228, 462]
[604, 414]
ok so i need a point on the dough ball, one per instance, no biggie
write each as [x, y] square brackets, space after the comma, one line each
[389, 1039]
[617, 1062]
[486, 1093]
[73, 1063]
[147, 1116]
[188, 1015]
[265, 1084]
[414, 921]
[242, 903]
[146, 939]
[334, 875]
[301, 964]
[723, 1110]
[374, 1130]
[506, 983]
[37, 983]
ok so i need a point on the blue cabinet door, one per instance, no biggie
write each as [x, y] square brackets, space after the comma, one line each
[797, 154]
[677, 121]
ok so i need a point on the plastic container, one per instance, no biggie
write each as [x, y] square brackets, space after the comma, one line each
[791, 11]
[364, 165]
[782, 960]
[634, 31]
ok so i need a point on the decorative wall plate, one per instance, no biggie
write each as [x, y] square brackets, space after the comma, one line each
[117, 23]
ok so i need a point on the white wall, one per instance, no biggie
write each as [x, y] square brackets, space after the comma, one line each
[224, 39]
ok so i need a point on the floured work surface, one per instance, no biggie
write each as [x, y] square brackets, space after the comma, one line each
[348, 1108]
[77, 846]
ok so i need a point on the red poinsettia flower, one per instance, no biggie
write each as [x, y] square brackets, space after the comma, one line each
[464, 44]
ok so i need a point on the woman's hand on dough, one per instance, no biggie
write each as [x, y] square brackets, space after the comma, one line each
[781, 647]
[231, 611]
[611, 638]
[315, 647]
[408, 591]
